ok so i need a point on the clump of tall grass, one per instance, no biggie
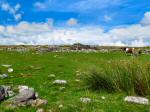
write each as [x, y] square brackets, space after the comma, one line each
[130, 77]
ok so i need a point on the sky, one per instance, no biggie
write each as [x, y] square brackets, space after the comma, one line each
[94, 22]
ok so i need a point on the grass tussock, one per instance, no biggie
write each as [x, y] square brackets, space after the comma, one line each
[129, 77]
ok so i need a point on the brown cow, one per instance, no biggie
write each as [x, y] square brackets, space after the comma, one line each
[132, 51]
[129, 51]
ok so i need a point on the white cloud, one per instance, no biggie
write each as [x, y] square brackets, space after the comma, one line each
[28, 28]
[17, 17]
[5, 6]
[46, 33]
[50, 21]
[40, 5]
[2, 28]
[85, 5]
[146, 19]
[72, 22]
[12, 10]
[138, 43]
[107, 18]
[75, 5]
[17, 7]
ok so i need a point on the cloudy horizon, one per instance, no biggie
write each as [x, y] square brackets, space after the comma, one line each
[93, 22]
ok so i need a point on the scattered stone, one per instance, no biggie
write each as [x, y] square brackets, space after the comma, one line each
[51, 76]
[62, 88]
[77, 80]
[40, 110]
[55, 56]
[103, 97]
[78, 73]
[60, 106]
[6, 66]
[38, 102]
[3, 76]
[35, 67]
[10, 70]
[85, 100]
[60, 82]
[2, 93]
[49, 110]
[25, 75]
[137, 100]
[11, 106]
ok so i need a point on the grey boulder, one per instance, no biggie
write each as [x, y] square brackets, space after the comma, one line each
[137, 100]
[2, 93]
[24, 96]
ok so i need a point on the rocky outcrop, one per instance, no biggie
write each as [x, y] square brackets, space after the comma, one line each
[26, 97]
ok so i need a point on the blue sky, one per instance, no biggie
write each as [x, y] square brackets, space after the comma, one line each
[107, 15]
[120, 12]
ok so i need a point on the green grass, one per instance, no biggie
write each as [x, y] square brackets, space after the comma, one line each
[130, 77]
[33, 69]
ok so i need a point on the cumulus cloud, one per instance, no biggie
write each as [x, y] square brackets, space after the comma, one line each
[28, 28]
[45, 33]
[146, 19]
[72, 22]
[13, 10]
[2, 28]
[138, 43]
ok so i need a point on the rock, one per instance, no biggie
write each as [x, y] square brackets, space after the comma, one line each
[11, 106]
[62, 88]
[10, 93]
[55, 56]
[38, 102]
[7, 88]
[36, 95]
[21, 88]
[60, 82]
[2, 93]
[3, 76]
[26, 97]
[78, 74]
[49, 110]
[23, 97]
[138, 100]
[103, 97]
[7, 66]
[10, 70]
[77, 80]
[40, 110]
[51, 76]
[85, 100]
[60, 106]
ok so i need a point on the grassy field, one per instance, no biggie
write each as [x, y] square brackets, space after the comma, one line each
[33, 70]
